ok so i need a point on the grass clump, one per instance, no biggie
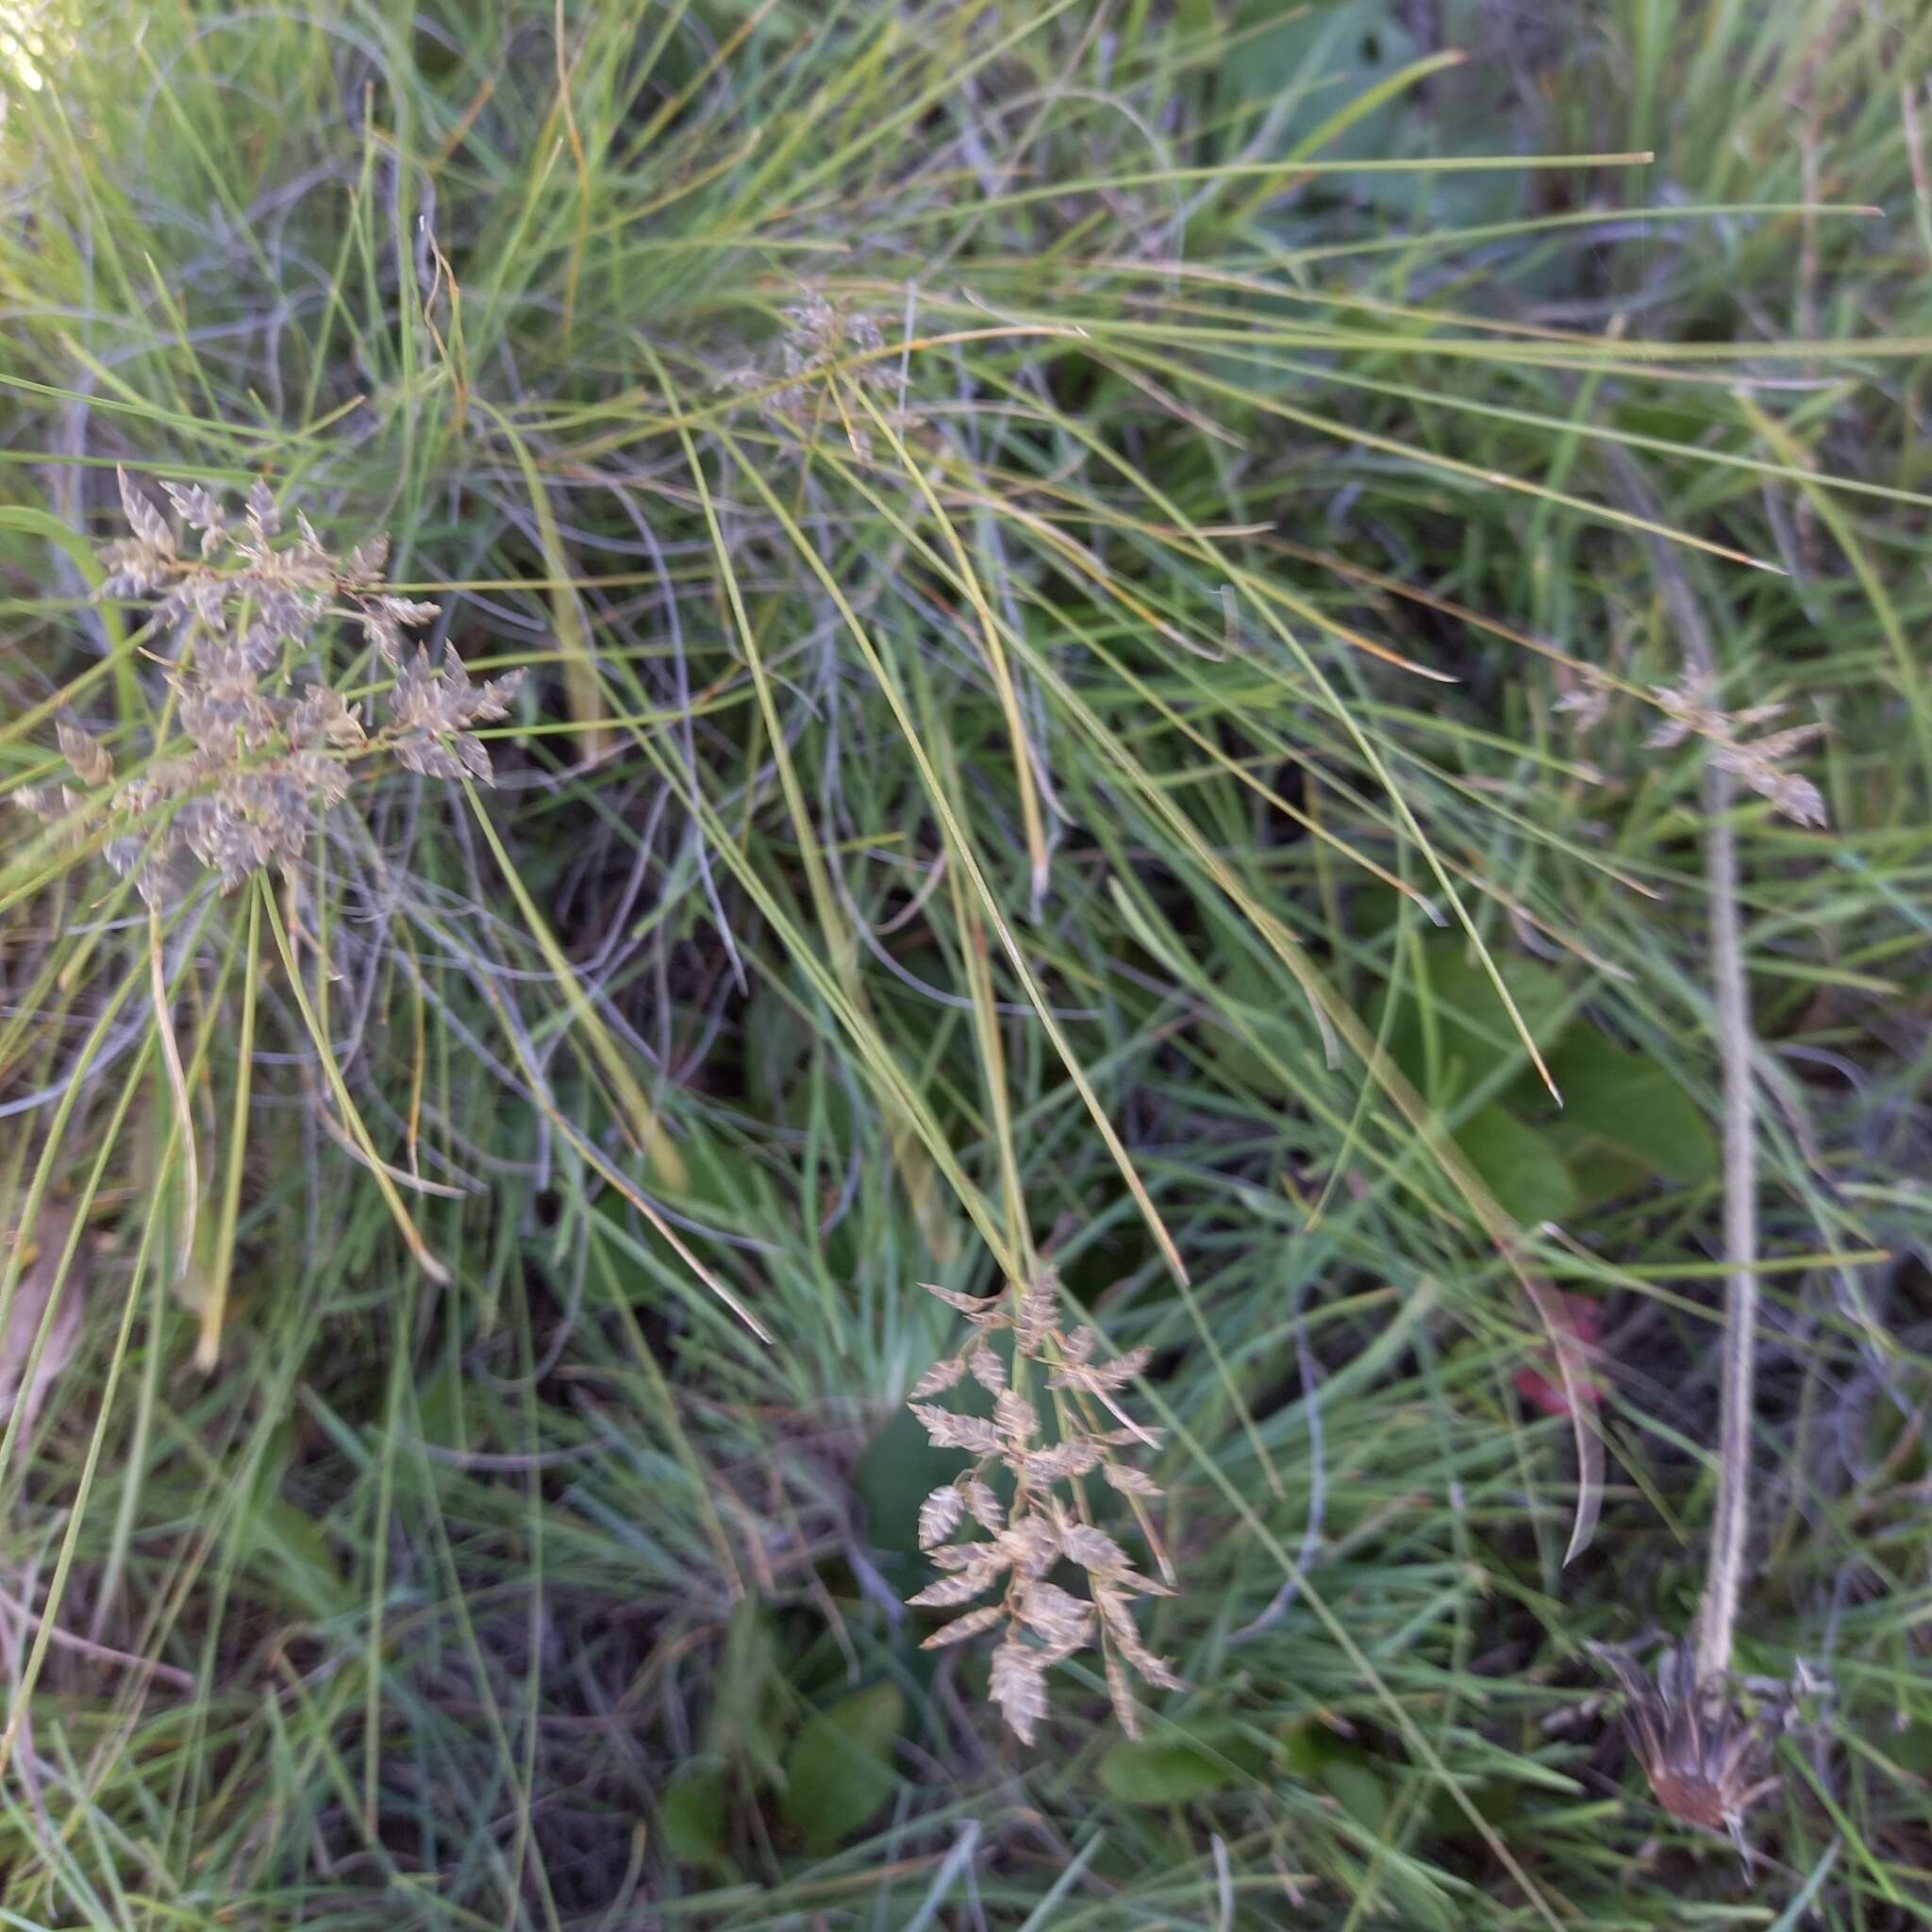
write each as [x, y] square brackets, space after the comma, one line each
[1084, 623]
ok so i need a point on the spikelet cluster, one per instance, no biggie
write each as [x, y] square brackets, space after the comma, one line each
[245, 762]
[1689, 712]
[1756, 763]
[1586, 697]
[816, 337]
[980, 1543]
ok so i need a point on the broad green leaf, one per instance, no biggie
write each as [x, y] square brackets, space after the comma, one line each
[714, 1175]
[290, 1546]
[839, 1770]
[792, 1069]
[1330, 55]
[1360, 1791]
[777, 1043]
[1265, 1048]
[692, 1814]
[738, 1726]
[440, 1406]
[1633, 1105]
[1417, 1902]
[1162, 1770]
[1175, 1766]
[285, 1545]
[1599, 1169]
[1302, 1747]
[900, 1469]
[1451, 1033]
[1517, 1164]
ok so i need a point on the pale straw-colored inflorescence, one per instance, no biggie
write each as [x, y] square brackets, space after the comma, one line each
[821, 347]
[1757, 762]
[1689, 712]
[246, 762]
[981, 1544]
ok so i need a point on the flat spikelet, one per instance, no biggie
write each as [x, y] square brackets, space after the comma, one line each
[1050, 1521]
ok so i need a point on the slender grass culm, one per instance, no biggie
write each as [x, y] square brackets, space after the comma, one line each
[1702, 1761]
[1083, 994]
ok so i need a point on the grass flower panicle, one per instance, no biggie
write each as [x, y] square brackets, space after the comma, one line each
[263, 760]
[1757, 762]
[1048, 1523]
